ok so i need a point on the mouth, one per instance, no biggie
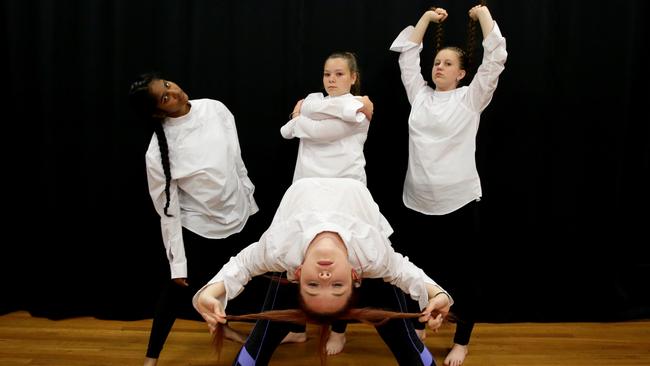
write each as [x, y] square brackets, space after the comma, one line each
[325, 263]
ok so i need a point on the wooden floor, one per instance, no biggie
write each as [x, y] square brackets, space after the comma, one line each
[25, 340]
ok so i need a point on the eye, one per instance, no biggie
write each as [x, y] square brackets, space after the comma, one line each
[167, 85]
[165, 98]
[312, 284]
[338, 285]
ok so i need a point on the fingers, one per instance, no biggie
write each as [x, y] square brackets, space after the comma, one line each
[435, 323]
[442, 14]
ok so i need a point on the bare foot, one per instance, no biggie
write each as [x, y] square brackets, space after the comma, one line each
[295, 337]
[456, 356]
[335, 343]
[233, 335]
[422, 333]
[148, 361]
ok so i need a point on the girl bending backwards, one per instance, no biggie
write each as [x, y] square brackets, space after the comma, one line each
[327, 235]
[199, 186]
[442, 184]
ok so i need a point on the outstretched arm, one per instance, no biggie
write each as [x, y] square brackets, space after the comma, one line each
[435, 15]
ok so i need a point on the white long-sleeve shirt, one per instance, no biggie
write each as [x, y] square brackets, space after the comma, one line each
[441, 175]
[210, 192]
[332, 135]
[311, 206]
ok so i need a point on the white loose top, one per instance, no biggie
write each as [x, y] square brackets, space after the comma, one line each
[441, 175]
[332, 134]
[309, 207]
[210, 192]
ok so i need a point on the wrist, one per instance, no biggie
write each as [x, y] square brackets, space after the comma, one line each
[441, 293]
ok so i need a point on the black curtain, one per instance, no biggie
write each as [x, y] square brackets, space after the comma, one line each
[563, 149]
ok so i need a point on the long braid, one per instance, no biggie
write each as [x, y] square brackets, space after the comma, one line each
[164, 158]
[144, 104]
[472, 32]
[440, 33]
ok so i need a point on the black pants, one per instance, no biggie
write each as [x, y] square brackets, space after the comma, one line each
[204, 259]
[447, 248]
[398, 334]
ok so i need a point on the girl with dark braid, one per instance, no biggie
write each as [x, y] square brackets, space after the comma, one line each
[442, 183]
[327, 235]
[199, 186]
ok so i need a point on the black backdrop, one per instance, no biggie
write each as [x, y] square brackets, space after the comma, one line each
[563, 148]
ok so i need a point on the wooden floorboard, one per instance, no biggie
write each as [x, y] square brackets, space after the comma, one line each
[26, 340]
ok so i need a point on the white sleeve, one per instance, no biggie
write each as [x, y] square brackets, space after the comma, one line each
[316, 107]
[324, 130]
[409, 63]
[242, 172]
[171, 228]
[401, 272]
[249, 262]
[484, 83]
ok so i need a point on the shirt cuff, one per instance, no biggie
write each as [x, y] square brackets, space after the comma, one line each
[350, 112]
[402, 42]
[178, 270]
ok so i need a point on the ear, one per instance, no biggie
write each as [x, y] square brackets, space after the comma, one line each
[461, 75]
[298, 272]
[356, 279]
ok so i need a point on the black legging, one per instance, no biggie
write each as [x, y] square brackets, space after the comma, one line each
[398, 334]
[455, 238]
[204, 258]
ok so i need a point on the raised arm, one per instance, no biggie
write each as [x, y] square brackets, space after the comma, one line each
[409, 44]
[435, 15]
[492, 65]
[482, 15]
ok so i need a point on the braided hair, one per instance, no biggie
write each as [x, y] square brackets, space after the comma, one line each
[472, 37]
[145, 106]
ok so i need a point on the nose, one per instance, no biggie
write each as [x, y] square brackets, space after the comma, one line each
[324, 275]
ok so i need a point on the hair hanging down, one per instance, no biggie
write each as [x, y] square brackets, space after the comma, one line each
[353, 66]
[472, 37]
[439, 35]
[145, 106]
[371, 316]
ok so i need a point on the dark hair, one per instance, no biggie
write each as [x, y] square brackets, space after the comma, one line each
[353, 66]
[144, 104]
[472, 37]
